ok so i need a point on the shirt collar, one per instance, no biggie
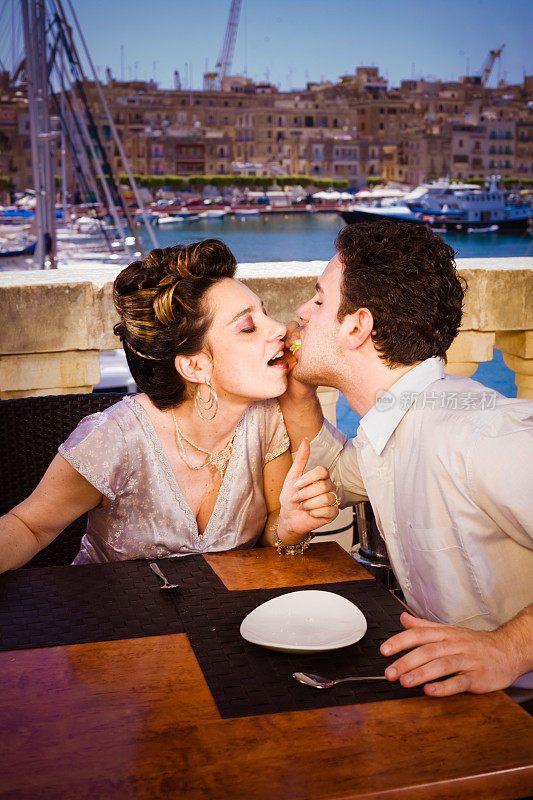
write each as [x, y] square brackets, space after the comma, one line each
[390, 407]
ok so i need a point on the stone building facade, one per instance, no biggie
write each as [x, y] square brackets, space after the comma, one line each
[352, 130]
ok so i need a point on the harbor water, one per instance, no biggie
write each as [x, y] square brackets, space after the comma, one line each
[309, 237]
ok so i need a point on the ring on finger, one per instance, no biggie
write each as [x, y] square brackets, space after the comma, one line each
[336, 500]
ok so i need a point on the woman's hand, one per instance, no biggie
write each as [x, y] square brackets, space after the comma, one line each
[307, 501]
[299, 403]
[296, 390]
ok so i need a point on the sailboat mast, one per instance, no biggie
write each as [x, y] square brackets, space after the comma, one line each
[63, 147]
[33, 19]
[114, 132]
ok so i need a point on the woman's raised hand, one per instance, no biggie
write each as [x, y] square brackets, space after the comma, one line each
[308, 500]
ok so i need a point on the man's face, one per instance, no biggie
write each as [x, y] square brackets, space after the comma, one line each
[319, 356]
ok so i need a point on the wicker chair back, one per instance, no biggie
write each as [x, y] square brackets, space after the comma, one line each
[31, 430]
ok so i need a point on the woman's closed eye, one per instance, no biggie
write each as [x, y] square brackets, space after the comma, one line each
[248, 326]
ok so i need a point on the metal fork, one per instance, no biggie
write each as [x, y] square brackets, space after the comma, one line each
[166, 584]
[318, 682]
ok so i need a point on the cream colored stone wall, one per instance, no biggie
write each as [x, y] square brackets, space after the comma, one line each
[55, 322]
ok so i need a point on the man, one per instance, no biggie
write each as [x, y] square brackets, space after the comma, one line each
[445, 462]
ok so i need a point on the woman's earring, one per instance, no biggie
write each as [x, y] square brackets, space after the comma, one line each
[206, 409]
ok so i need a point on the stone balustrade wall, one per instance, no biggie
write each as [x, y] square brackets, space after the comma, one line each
[54, 323]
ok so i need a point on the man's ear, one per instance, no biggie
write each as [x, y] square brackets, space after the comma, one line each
[194, 369]
[356, 328]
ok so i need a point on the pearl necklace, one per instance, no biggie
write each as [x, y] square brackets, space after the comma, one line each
[218, 460]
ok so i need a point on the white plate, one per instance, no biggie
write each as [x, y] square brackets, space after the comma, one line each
[304, 622]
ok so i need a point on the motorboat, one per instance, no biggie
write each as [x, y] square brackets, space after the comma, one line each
[162, 220]
[213, 213]
[466, 207]
[245, 212]
[452, 207]
[370, 213]
[12, 251]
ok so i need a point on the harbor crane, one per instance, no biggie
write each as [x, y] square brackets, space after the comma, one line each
[489, 63]
[213, 80]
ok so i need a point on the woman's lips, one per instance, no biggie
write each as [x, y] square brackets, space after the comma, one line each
[278, 361]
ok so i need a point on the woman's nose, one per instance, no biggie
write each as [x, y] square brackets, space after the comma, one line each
[278, 329]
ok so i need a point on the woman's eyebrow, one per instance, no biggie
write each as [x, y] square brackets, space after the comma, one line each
[241, 314]
[248, 310]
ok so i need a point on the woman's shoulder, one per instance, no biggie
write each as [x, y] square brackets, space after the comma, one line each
[111, 421]
[266, 421]
[263, 413]
[98, 448]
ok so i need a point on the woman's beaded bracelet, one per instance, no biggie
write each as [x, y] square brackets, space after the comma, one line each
[289, 549]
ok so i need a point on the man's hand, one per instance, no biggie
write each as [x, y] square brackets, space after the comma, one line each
[307, 501]
[476, 661]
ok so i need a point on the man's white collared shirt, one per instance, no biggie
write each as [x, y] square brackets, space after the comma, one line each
[447, 465]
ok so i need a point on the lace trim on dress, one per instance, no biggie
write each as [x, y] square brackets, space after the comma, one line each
[273, 409]
[228, 479]
[94, 479]
[279, 449]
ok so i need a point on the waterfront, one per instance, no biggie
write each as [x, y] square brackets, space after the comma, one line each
[310, 237]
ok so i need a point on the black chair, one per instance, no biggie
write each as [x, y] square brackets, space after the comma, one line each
[370, 549]
[31, 430]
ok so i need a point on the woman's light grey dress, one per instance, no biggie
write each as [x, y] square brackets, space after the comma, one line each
[119, 452]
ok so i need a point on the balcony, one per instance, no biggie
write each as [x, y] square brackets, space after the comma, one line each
[59, 320]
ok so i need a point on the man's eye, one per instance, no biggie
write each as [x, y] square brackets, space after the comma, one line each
[248, 330]
[318, 303]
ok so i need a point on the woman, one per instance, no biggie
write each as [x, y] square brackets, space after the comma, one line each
[197, 462]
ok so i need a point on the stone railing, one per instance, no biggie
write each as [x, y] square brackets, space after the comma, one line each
[56, 322]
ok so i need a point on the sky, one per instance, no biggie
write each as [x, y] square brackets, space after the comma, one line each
[290, 42]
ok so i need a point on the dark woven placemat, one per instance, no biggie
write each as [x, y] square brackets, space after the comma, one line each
[51, 606]
[246, 679]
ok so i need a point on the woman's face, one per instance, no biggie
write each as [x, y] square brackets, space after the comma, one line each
[244, 343]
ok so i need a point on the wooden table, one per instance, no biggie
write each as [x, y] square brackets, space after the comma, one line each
[134, 719]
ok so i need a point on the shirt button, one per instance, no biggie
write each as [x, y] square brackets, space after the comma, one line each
[407, 584]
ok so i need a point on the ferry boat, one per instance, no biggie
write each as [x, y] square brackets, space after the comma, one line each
[454, 207]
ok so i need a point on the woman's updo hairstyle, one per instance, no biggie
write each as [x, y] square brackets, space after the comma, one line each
[159, 301]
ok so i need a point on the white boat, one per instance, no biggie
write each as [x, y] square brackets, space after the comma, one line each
[454, 207]
[169, 220]
[489, 229]
[467, 207]
[366, 213]
[213, 213]
[246, 212]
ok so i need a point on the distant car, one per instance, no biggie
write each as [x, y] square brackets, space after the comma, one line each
[115, 375]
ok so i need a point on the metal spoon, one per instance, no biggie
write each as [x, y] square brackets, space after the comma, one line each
[318, 682]
[166, 584]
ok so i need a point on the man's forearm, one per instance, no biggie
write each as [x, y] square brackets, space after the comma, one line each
[303, 418]
[517, 638]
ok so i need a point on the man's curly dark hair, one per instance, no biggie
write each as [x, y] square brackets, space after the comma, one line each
[406, 276]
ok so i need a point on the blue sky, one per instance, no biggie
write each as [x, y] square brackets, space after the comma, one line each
[292, 41]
